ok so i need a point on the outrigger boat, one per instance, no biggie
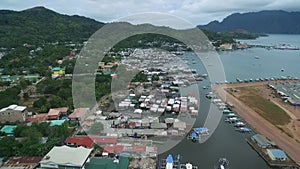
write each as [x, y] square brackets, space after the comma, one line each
[197, 133]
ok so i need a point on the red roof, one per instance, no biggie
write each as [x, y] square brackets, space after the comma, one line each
[53, 112]
[24, 162]
[38, 117]
[62, 109]
[113, 148]
[136, 149]
[78, 113]
[104, 139]
[80, 141]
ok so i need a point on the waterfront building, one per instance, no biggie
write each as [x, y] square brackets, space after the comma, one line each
[277, 154]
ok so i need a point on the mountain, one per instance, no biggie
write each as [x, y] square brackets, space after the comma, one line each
[272, 22]
[39, 24]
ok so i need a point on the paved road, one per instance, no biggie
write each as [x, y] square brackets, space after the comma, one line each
[260, 125]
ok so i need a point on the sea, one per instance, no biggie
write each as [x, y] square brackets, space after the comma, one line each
[244, 64]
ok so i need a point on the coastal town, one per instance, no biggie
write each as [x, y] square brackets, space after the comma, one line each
[156, 104]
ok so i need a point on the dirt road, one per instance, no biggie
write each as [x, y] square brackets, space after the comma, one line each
[259, 124]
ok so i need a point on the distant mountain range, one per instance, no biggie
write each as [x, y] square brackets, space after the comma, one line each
[39, 24]
[271, 22]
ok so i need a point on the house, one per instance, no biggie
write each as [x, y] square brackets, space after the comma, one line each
[180, 125]
[58, 72]
[103, 140]
[54, 114]
[38, 117]
[78, 141]
[277, 154]
[262, 141]
[63, 110]
[66, 157]
[78, 114]
[8, 129]
[108, 163]
[32, 77]
[28, 162]
[109, 148]
[13, 113]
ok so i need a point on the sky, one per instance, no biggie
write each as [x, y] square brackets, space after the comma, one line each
[196, 12]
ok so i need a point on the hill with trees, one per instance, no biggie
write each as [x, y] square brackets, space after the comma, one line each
[271, 22]
[41, 25]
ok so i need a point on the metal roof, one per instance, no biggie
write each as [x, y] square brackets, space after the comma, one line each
[277, 153]
[64, 155]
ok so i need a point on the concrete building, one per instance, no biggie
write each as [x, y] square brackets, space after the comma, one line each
[13, 113]
[66, 157]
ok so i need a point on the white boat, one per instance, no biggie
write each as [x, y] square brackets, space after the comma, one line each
[239, 124]
[244, 130]
[169, 161]
[223, 164]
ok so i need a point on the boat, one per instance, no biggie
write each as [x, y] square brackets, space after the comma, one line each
[239, 124]
[232, 119]
[256, 57]
[223, 164]
[286, 47]
[169, 161]
[197, 133]
[244, 130]
[231, 115]
[175, 163]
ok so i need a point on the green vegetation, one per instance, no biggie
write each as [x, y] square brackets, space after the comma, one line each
[217, 38]
[140, 77]
[267, 109]
[59, 94]
[40, 25]
[10, 96]
[31, 143]
[241, 35]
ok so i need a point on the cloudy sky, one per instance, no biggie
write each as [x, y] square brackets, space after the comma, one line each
[194, 11]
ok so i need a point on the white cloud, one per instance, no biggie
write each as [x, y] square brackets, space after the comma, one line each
[195, 11]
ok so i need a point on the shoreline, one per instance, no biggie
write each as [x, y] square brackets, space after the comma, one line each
[257, 122]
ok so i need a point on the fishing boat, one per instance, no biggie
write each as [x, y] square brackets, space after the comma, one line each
[244, 130]
[197, 133]
[239, 124]
[170, 163]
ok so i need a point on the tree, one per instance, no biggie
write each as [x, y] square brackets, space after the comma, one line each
[8, 146]
[40, 102]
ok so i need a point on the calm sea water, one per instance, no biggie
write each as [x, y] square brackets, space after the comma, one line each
[225, 141]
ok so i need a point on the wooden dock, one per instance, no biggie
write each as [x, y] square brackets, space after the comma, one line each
[270, 162]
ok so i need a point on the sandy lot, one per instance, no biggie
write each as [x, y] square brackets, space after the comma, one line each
[263, 126]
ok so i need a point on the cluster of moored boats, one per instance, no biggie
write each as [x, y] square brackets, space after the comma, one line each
[234, 119]
[175, 163]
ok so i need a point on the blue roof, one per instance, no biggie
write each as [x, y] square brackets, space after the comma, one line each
[169, 159]
[201, 130]
[8, 129]
[277, 153]
[194, 135]
[56, 122]
[57, 69]
[261, 140]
